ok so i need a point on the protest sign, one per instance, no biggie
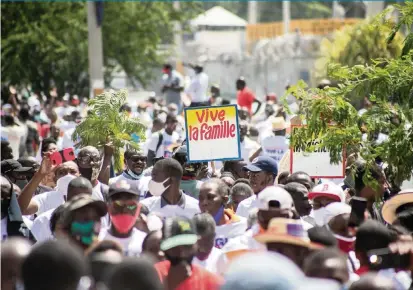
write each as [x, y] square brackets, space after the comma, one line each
[316, 163]
[212, 133]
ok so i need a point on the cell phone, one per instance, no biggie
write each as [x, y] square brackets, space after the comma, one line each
[358, 207]
[64, 155]
[385, 259]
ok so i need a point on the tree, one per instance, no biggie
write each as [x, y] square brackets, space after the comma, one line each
[116, 127]
[388, 82]
[45, 44]
[358, 44]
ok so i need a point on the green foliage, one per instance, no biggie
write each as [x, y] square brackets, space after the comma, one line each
[330, 116]
[359, 44]
[45, 44]
[104, 123]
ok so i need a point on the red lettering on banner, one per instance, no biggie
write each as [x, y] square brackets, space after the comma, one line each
[210, 132]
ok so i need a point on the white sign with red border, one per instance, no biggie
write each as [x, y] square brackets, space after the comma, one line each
[316, 164]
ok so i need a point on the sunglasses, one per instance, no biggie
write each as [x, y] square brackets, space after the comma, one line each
[88, 158]
[129, 205]
[138, 158]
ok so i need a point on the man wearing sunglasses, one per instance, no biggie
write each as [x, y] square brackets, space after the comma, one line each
[124, 209]
[90, 162]
[135, 163]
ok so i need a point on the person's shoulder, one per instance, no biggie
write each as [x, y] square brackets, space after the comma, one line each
[45, 216]
[116, 178]
[150, 201]
[189, 200]
[248, 201]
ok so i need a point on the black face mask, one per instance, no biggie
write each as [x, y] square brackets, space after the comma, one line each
[5, 204]
[178, 260]
[89, 173]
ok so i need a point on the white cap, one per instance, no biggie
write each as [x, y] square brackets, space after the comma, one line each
[274, 193]
[327, 189]
[334, 209]
[63, 183]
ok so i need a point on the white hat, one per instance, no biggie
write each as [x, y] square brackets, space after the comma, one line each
[327, 189]
[274, 193]
[334, 209]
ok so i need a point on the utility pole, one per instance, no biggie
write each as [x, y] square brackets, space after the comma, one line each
[178, 40]
[286, 16]
[373, 8]
[95, 51]
[252, 12]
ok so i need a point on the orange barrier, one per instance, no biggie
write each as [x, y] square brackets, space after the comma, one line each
[259, 31]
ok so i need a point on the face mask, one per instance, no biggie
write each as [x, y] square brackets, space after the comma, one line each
[179, 260]
[320, 216]
[133, 175]
[125, 222]
[345, 244]
[157, 188]
[91, 173]
[218, 215]
[5, 204]
[86, 232]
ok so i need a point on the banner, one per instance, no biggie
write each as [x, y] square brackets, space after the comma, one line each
[316, 163]
[212, 133]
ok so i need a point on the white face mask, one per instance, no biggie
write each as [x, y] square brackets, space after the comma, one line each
[320, 216]
[157, 188]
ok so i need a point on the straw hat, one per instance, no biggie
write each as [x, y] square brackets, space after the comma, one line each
[286, 231]
[390, 207]
[278, 124]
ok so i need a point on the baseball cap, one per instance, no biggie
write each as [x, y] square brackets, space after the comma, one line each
[286, 231]
[327, 189]
[83, 200]
[178, 231]
[10, 165]
[389, 210]
[121, 186]
[274, 193]
[263, 163]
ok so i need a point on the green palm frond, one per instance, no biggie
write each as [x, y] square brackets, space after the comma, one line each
[104, 123]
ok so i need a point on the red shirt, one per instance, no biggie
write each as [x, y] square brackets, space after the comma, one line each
[200, 279]
[245, 98]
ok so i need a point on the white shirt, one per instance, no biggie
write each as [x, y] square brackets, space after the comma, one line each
[67, 138]
[224, 233]
[245, 206]
[198, 88]
[15, 135]
[48, 200]
[164, 149]
[189, 207]
[41, 226]
[248, 147]
[215, 263]
[4, 233]
[97, 193]
[132, 246]
[140, 186]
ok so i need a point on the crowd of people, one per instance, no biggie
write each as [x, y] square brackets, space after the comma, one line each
[167, 223]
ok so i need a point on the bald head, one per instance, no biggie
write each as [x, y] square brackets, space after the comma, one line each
[13, 252]
[88, 150]
[79, 185]
[373, 281]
